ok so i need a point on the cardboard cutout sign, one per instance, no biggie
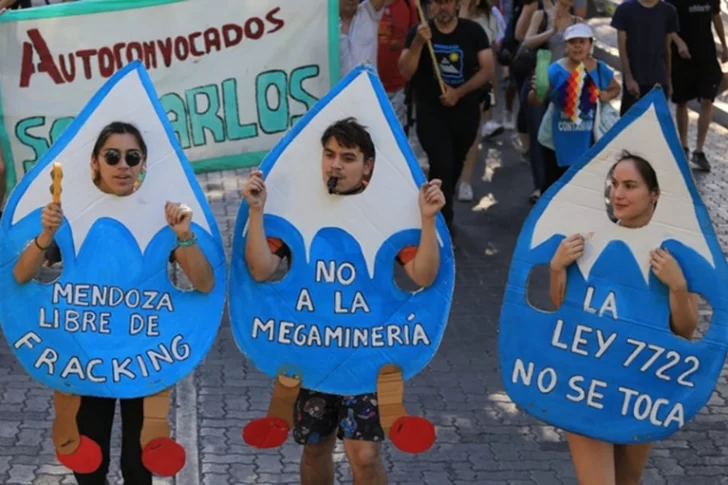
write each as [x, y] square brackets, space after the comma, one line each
[338, 315]
[606, 364]
[112, 324]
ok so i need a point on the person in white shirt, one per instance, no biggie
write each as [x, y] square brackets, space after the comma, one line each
[487, 15]
[358, 29]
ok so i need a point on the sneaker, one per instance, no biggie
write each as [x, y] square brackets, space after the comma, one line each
[687, 152]
[508, 122]
[465, 193]
[518, 144]
[700, 160]
[491, 129]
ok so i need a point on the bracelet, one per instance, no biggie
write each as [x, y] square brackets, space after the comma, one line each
[35, 240]
[187, 243]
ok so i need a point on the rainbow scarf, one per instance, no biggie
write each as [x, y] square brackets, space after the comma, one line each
[578, 95]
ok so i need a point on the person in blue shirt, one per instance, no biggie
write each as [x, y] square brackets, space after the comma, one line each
[577, 83]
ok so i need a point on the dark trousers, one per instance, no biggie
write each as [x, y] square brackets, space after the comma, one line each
[551, 169]
[521, 122]
[534, 113]
[95, 419]
[446, 135]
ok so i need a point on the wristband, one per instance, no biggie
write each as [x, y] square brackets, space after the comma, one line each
[187, 243]
[37, 244]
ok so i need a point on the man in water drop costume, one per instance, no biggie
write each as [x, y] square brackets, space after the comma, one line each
[361, 421]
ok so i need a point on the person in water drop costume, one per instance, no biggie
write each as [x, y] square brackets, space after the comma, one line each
[83, 424]
[361, 421]
[633, 194]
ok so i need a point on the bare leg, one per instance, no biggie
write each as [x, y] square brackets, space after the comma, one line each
[366, 462]
[317, 463]
[630, 462]
[408, 433]
[272, 430]
[706, 116]
[465, 193]
[681, 115]
[160, 453]
[593, 460]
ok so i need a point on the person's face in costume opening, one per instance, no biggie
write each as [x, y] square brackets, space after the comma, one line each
[347, 164]
[633, 200]
[444, 11]
[578, 49]
[119, 164]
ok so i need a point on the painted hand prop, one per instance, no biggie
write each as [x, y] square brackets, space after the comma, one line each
[606, 364]
[337, 323]
[112, 324]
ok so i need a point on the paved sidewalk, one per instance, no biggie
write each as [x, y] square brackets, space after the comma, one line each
[482, 438]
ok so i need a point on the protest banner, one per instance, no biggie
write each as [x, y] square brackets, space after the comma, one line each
[232, 78]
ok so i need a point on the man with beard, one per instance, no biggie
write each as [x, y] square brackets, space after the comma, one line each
[447, 124]
[358, 29]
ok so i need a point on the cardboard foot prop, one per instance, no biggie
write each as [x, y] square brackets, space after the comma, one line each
[112, 324]
[337, 323]
[606, 364]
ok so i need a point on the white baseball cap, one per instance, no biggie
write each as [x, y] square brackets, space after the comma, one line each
[578, 31]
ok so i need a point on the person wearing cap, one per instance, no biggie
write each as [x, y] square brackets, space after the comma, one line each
[697, 74]
[545, 31]
[570, 113]
[644, 32]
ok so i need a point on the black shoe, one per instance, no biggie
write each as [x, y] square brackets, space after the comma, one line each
[687, 152]
[700, 160]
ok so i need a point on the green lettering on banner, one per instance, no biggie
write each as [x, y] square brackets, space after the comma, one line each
[235, 131]
[207, 119]
[201, 112]
[176, 110]
[38, 145]
[59, 126]
[272, 120]
[299, 75]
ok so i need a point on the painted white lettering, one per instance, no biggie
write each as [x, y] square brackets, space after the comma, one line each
[26, 340]
[304, 300]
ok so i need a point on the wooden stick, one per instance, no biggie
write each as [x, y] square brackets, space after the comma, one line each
[435, 65]
[57, 174]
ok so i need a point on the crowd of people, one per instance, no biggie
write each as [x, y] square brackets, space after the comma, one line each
[666, 43]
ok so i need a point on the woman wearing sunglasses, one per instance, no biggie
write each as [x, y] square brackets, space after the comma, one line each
[84, 423]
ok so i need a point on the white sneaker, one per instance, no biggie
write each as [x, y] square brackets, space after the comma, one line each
[508, 122]
[491, 129]
[465, 193]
